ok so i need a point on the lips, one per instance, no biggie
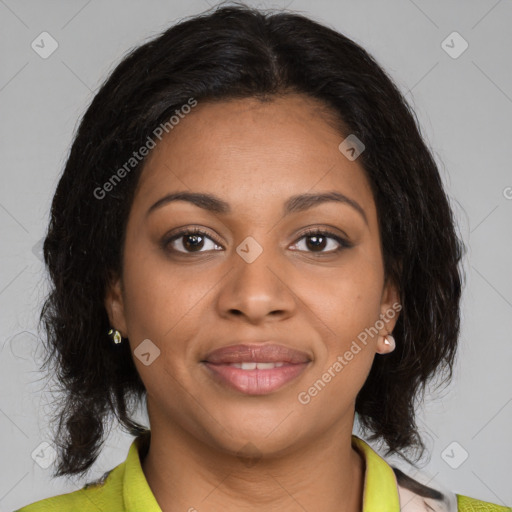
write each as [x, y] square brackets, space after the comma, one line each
[247, 353]
[255, 369]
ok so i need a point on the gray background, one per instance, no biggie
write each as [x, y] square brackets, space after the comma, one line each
[464, 105]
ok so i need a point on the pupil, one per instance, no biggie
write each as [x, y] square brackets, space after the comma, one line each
[196, 244]
[316, 245]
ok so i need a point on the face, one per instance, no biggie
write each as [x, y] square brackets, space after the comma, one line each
[309, 277]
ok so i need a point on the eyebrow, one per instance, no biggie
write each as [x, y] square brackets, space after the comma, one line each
[294, 204]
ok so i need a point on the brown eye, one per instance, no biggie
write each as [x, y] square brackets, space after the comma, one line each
[315, 242]
[190, 241]
[318, 240]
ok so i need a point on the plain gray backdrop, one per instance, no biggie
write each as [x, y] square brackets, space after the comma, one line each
[464, 104]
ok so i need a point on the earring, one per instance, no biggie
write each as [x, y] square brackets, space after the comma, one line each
[392, 343]
[115, 335]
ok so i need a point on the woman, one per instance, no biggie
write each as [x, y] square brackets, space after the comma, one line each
[250, 236]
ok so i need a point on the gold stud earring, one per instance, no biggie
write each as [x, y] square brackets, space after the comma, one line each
[115, 335]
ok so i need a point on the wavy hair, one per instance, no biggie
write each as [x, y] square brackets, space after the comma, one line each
[235, 51]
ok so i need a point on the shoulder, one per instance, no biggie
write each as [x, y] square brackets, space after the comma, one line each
[419, 492]
[418, 497]
[123, 487]
[467, 504]
[102, 494]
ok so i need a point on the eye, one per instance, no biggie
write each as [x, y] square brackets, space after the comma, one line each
[319, 241]
[190, 240]
[193, 240]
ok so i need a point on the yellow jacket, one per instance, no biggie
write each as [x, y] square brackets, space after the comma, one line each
[386, 489]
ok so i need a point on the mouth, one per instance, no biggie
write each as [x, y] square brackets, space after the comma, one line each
[255, 369]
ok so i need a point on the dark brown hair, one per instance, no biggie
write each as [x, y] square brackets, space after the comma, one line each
[236, 52]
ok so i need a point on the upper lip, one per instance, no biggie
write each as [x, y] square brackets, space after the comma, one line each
[246, 353]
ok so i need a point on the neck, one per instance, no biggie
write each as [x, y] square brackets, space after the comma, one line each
[186, 474]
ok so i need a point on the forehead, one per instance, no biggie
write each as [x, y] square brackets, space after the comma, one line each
[250, 151]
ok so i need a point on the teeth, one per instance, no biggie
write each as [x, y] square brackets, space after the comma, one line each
[254, 366]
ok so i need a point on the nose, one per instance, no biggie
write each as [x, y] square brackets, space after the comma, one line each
[257, 290]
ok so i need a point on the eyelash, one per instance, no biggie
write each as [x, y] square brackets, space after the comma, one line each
[344, 244]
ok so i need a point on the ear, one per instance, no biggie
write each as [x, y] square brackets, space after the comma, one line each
[114, 304]
[390, 308]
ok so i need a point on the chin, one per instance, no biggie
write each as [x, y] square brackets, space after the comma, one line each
[252, 439]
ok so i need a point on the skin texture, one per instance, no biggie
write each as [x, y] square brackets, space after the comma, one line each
[253, 155]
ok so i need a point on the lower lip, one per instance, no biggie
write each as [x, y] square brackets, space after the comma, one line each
[256, 382]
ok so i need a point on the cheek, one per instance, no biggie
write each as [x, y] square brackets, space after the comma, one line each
[162, 301]
[348, 304]
[161, 305]
[347, 310]
[349, 299]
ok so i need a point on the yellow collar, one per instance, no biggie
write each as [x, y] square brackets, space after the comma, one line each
[137, 494]
[380, 486]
